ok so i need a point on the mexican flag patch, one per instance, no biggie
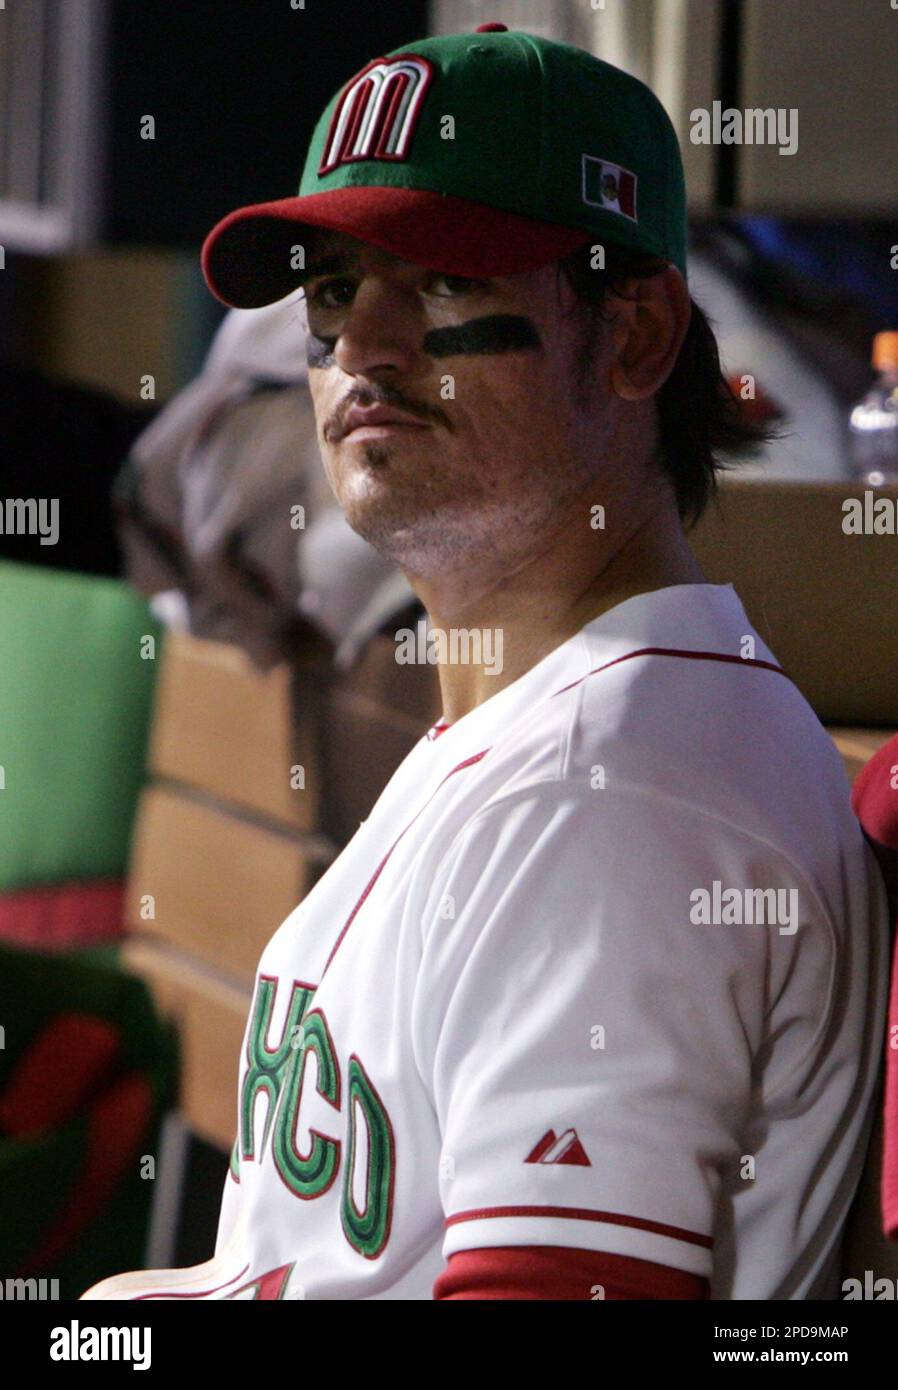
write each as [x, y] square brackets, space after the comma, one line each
[607, 185]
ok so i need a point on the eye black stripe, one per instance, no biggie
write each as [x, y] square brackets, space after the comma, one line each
[494, 333]
[320, 351]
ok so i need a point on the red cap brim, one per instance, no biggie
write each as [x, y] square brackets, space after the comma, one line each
[246, 258]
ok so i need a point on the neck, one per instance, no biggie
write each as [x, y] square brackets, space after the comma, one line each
[526, 615]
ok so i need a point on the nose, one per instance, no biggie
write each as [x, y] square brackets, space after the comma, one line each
[381, 332]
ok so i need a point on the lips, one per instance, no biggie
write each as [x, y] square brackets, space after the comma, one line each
[357, 417]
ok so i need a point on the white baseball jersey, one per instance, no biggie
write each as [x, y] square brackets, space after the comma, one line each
[605, 968]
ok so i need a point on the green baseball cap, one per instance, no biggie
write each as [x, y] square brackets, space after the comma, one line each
[478, 155]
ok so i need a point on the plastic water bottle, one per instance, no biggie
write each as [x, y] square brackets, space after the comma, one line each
[873, 424]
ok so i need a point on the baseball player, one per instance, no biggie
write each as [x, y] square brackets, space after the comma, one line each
[591, 1005]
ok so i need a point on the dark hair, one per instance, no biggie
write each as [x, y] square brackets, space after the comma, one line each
[698, 414]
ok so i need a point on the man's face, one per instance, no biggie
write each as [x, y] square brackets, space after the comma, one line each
[507, 423]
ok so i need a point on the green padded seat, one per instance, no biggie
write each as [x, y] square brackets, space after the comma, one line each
[75, 703]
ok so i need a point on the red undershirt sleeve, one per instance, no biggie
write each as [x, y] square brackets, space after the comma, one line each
[551, 1272]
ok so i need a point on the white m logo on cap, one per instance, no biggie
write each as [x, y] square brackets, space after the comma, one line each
[377, 113]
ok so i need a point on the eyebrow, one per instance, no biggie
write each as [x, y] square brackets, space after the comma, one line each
[339, 261]
[326, 265]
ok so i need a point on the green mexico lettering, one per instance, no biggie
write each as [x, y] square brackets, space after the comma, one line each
[278, 1072]
[312, 1174]
[367, 1230]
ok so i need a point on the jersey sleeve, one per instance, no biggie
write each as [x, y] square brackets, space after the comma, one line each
[550, 1273]
[589, 1048]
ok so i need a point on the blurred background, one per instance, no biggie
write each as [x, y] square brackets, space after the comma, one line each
[199, 698]
[101, 227]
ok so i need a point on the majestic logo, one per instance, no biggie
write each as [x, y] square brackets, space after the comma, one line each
[376, 115]
[567, 1149]
[609, 186]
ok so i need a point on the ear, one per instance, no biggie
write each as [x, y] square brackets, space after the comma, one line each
[650, 319]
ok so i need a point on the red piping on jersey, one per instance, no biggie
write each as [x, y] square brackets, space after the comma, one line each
[613, 1218]
[377, 872]
[674, 651]
[204, 1293]
[475, 758]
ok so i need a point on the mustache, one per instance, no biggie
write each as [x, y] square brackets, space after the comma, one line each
[386, 397]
